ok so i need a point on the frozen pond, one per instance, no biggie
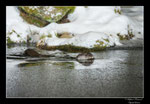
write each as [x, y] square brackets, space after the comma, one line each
[113, 73]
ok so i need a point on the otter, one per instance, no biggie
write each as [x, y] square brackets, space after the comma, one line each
[33, 53]
[85, 59]
[85, 56]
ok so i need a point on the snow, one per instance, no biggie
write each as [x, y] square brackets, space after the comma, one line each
[87, 24]
[135, 14]
[50, 9]
[58, 14]
[15, 22]
[82, 40]
[52, 15]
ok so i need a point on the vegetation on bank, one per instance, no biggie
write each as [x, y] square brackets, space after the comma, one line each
[72, 48]
[117, 11]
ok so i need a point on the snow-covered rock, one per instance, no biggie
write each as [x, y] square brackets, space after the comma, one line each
[44, 15]
[96, 26]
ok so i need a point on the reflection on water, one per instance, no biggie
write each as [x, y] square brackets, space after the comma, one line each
[112, 73]
[86, 62]
[64, 65]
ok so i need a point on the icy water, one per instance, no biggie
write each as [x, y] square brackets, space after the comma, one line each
[113, 73]
[116, 72]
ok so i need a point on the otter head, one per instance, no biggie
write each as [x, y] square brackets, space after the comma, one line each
[85, 59]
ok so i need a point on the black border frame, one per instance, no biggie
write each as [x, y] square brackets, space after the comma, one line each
[5, 3]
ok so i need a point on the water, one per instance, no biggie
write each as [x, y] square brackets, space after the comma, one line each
[113, 73]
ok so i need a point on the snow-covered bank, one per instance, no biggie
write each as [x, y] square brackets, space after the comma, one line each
[91, 27]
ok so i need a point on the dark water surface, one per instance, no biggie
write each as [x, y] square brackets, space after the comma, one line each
[113, 73]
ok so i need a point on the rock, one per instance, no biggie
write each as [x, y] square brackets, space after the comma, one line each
[43, 15]
[64, 20]
[65, 35]
[31, 52]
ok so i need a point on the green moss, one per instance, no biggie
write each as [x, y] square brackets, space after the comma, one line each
[121, 37]
[9, 41]
[33, 20]
[66, 8]
[131, 35]
[49, 35]
[69, 48]
[43, 36]
[13, 31]
[72, 48]
[9, 33]
[41, 16]
[100, 45]
[24, 42]
[126, 36]
[117, 11]
[30, 38]
[58, 35]
[72, 9]
[106, 40]
[18, 35]
[100, 42]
